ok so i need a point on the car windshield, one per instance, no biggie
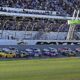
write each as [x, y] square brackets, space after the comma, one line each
[28, 50]
[46, 50]
[53, 51]
[6, 49]
[37, 50]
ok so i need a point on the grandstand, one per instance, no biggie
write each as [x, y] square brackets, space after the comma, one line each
[33, 21]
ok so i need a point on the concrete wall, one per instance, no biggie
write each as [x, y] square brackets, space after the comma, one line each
[28, 35]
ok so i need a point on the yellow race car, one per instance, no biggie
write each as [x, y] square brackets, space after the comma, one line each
[10, 55]
[7, 55]
[2, 54]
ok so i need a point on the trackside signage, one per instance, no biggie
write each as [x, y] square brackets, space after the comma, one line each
[73, 22]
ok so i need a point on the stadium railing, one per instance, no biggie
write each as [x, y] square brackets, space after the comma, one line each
[20, 10]
[6, 11]
[35, 15]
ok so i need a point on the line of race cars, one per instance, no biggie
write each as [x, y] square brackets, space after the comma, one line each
[13, 52]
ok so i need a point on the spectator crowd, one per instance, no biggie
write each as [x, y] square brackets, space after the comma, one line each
[62, 7]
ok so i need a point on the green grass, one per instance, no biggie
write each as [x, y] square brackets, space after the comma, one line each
[45, 69]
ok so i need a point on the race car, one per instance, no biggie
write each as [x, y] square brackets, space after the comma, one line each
[77, 50]
[23, 54]
[37, 52]
[30, 52]
[46, 52]
[67, 52]
[53, 52]
[8, 53]
[2, 54]
[62, 50]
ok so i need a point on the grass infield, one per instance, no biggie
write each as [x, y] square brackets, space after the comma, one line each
[44, 69]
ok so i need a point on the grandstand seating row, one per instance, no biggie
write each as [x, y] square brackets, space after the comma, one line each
[64, 7]
[34, 24]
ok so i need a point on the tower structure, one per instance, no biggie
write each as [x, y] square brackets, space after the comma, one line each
[72, 23]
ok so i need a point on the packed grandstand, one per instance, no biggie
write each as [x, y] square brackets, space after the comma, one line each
[34, 28]
[62, 7]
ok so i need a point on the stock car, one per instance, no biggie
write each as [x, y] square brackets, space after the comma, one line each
[19, 54]
[5, 54]
[37, 52]
[46, 52]
[77, 50]
[8, 53]
[2, 54]
[30, 52]
[67, 52]
[13, 49]
[23, 54]
[53, 51]
[62, 50]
